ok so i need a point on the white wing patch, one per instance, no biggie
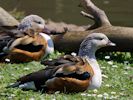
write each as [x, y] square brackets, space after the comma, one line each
[50, 46]
[28, 85]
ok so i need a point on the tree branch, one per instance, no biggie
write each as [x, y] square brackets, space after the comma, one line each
[99, 15]
[87, 15]
[61, 27]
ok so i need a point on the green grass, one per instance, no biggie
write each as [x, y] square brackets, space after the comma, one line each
[117, 81]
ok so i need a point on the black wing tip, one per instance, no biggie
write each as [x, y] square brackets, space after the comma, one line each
[82, 76]
[14, 85]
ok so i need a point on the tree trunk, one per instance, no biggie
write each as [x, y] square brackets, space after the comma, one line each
[70, 36]
[6, 19]
[70, 41]
[122, 36]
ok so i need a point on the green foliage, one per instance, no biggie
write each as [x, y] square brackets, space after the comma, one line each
[17, 14]
[54, 55]
[117, 56]
[117, 80]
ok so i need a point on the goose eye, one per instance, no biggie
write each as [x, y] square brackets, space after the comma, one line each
[38, 22]
[99, 38]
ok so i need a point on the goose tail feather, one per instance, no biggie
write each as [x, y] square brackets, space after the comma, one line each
[14, 85]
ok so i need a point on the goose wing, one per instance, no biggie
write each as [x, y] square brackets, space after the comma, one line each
[7, 36]
[46, 73]
[75, 77]
[68, 72]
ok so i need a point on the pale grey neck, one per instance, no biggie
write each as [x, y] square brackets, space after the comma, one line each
[89, 52]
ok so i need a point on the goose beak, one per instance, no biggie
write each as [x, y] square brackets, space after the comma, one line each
[46, 30]
[111, 43]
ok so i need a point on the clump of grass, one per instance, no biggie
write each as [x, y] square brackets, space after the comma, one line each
[120, 57]
[53, 55]
[117, 81]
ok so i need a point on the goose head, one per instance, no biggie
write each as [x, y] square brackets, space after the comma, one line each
[99, 40]
[32, 25]
[94, 42]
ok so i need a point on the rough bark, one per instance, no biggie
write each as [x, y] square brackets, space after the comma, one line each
[61, 27]
[70, 36]
[94, 13]
[122, 36]
[6, 19]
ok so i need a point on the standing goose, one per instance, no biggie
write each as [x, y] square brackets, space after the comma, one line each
[26, 43]
[69, 73]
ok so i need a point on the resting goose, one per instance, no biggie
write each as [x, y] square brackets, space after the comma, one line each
[69, 73]
[27, 42]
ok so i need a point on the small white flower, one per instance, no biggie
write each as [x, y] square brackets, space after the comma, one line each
[26, 68]
[123, 89]
[107, 85]
[9, 97]
[13, 75]
[73, 54]
[113, 92]
[89, 95]
[122, 94]
[7, 60]
[104, 76]
[100, 95]
[95, 90]
[107, 57]
[113, 97]
[114, 66]
[105, 98]
[11, 83]
[31, 98]
[103, 67]
[125, 73]
[13, 95]
[83, 94]
[50, 59]
[1, 76]
[105, 94]
[110, 62]
[94, 95]
[57, 92]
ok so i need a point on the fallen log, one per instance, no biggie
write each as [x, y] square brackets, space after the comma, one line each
[6, 19]
[122, 36]
[70, 36]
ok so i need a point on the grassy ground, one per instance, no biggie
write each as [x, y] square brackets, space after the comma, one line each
[117, 81]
